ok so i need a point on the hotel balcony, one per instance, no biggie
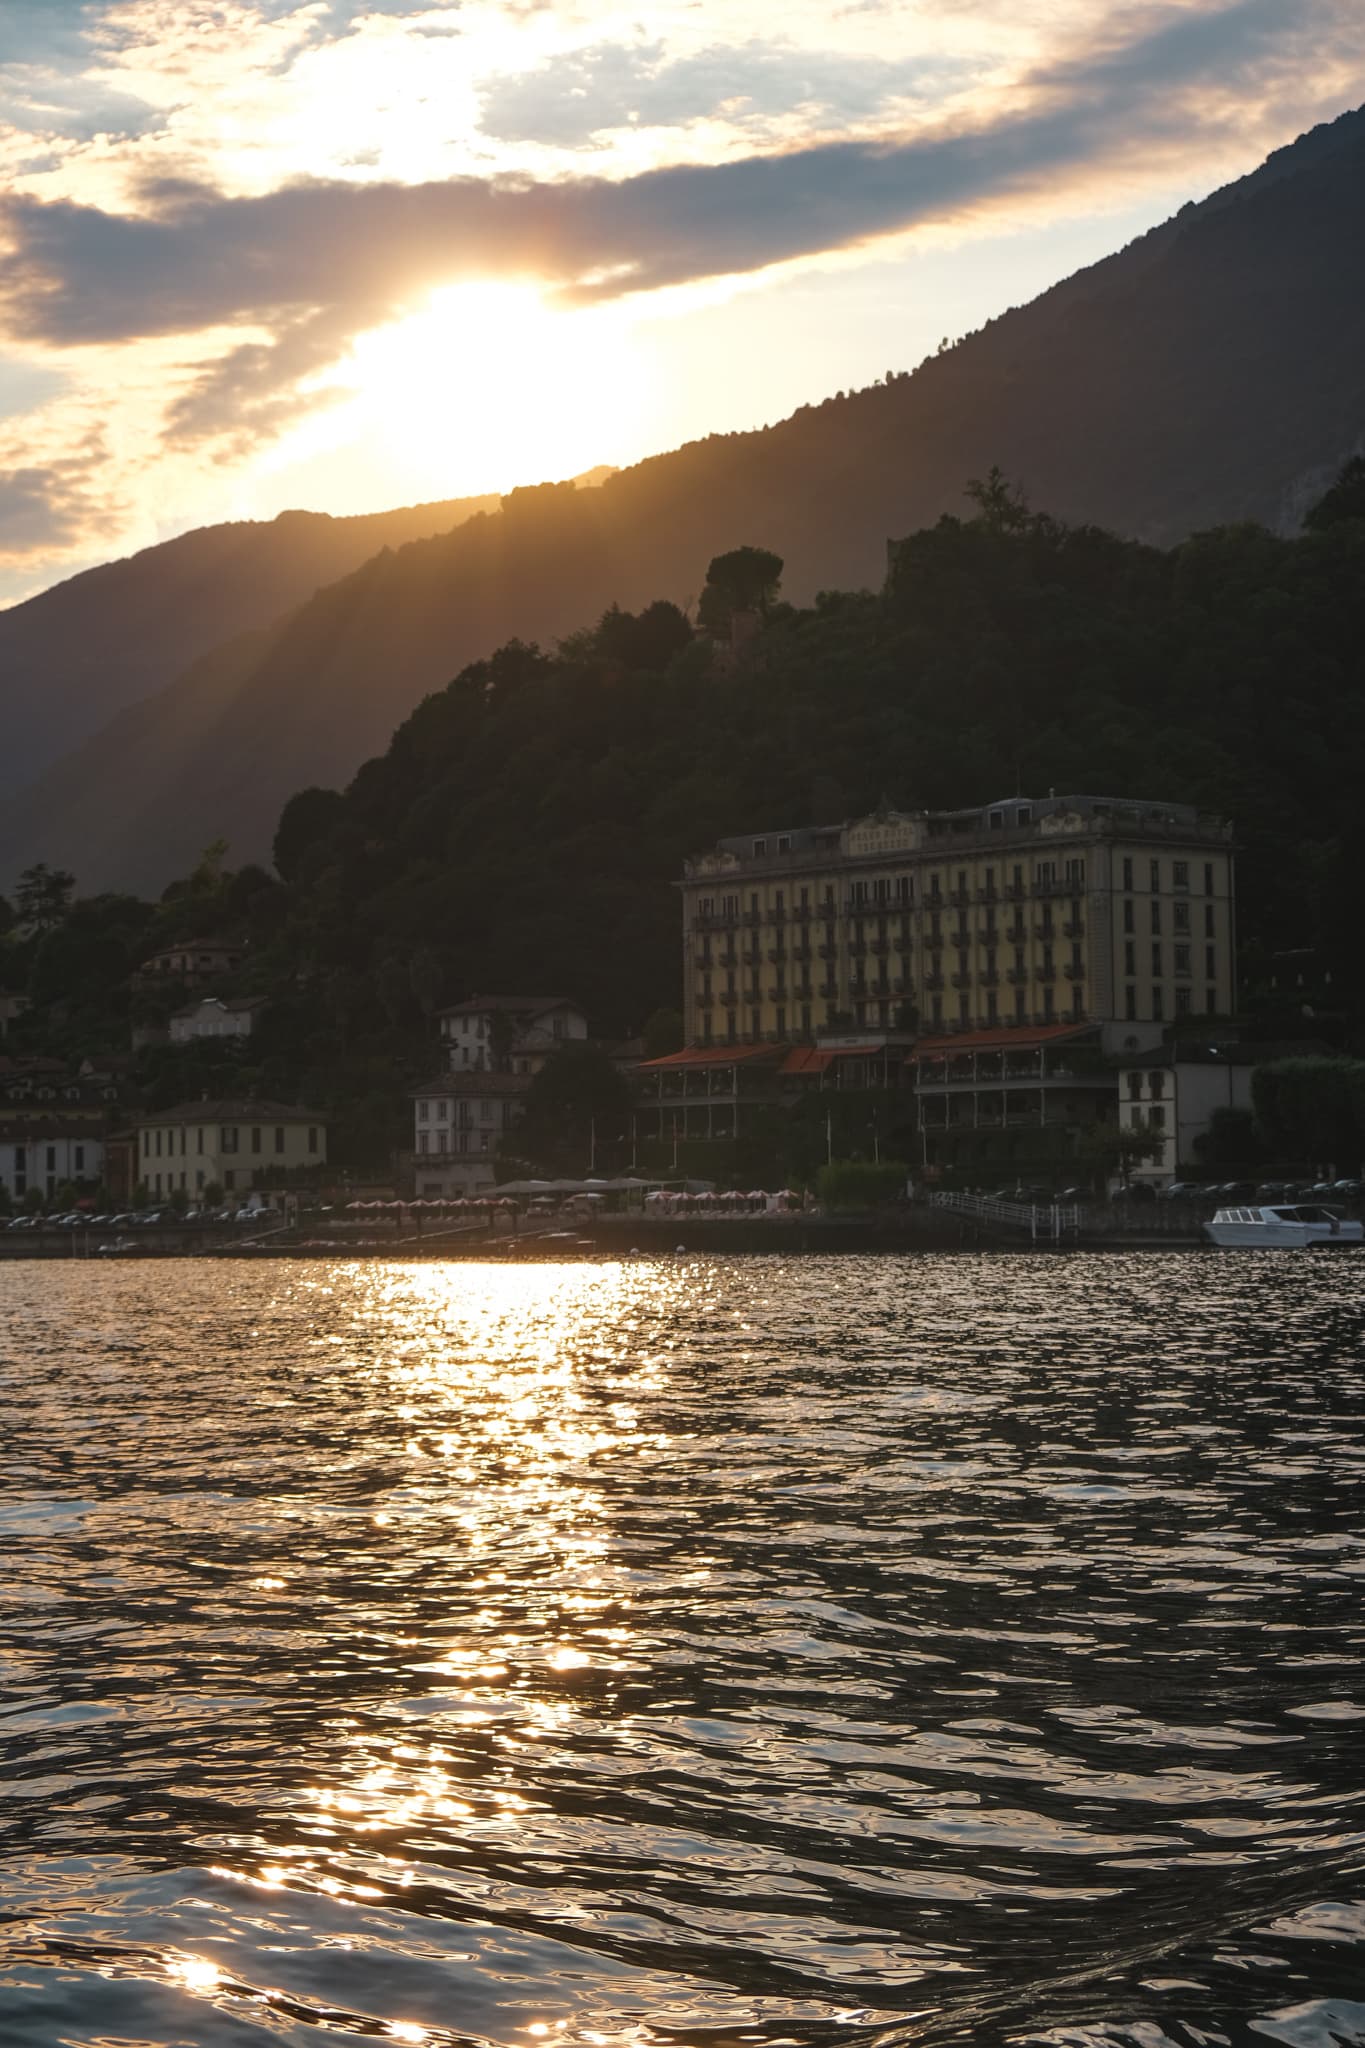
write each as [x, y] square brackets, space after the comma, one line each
[777, 917]
[777, 954]
[1047, 972]
[828, 952]
[989, 978]
[1074, 928]
[1016, 975]
[729, 997]
[829, 990]
[1016, 933]
[1074, 970]
[962, 981]
[778, 992]
[933, 981]
[880, 947]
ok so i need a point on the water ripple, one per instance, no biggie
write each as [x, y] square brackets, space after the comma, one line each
[695, 1651]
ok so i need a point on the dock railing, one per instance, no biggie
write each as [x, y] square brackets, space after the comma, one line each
[1040, 1222]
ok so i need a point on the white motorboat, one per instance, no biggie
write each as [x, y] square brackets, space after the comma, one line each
[1284, 1224]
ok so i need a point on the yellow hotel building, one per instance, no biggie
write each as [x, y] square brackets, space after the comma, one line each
[1028, 912]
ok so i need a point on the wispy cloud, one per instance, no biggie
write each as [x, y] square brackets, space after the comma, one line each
[239, 191]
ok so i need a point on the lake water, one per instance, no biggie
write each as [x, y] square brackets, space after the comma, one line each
[694, 1651]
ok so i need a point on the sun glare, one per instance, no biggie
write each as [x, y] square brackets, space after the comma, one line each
[489, 387]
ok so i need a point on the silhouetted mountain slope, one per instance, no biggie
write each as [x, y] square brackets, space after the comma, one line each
[1213, 372]
[76, 655]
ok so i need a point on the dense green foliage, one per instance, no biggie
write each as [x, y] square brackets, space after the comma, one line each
[527, 824]
[1312, 1109]
[861, 1183]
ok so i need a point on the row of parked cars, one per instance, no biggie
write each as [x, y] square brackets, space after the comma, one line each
[141, 1219]
[1242, 1191]
[1217, 1193]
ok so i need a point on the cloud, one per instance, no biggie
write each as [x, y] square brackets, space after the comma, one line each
[613, 85]
[46, 507]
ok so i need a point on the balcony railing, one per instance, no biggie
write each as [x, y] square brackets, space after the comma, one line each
[776, 954]
[881, 947]
[1074, 928]
[934, 981]
[828, 952]
[1074, 970]
[829, 989]
[778, 992]
[1017, 975]
[1046, 972]
[729, 997]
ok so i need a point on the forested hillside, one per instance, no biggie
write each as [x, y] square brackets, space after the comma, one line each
[526, 824]
[1212, 372]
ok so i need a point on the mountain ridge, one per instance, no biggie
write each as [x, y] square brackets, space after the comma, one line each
[1204, 375]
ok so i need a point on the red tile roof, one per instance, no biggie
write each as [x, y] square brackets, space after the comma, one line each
[713, 1056]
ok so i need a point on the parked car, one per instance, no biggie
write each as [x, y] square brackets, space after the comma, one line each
[1180, 1191]
[1350, 1190]
[1236, 1191]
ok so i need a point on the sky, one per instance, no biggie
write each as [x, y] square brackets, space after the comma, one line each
[346, 254]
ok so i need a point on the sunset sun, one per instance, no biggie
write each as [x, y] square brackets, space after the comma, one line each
[490, 384]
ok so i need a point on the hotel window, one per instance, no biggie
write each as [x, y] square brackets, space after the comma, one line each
[279, 1137]
[443, 1111]
[1017, 883]
[1129, 916]
[1181, 916]
[255, 1137]
[935, 890]
[227, 1138]
[1211, 1001]
[1182, 1002]
[1182, 959]
[146, 1144]
[1211, 962]
[1130, 1004]
[937, 1010]
[1127, 872]
[1208, 878]
[312, 1137]
[158, 1144]
[422, 1145]
[1156, 1118]
[1018, 1006]
[1180, 874]
[80, 1159]
[992, 1007]
[199, 1181]
[1154, 868]
[1134, 1085]
[1158, 1006]
[784, 844]
[1049, 1004]
[1045, 871]
[1208, 920]
[1156, 959]
[199, 1139]
[423, 1112]
[1075, 873]
[1156, 915]
[755, 1024]
[805, 1020]
[1024, 815]
[230, 1179]
[781, 1021]
[1129, 957]
[997, 821]
[760, 848]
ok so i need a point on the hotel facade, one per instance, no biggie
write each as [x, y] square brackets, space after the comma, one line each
[1019, 915]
